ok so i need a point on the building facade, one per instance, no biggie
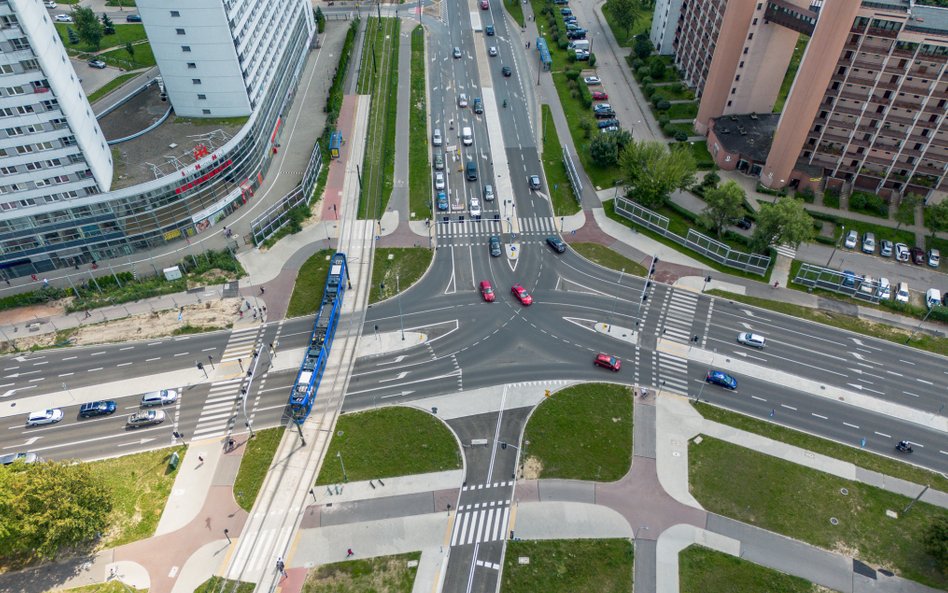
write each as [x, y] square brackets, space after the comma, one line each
[666, 25]
[52, 150]
[84, 229]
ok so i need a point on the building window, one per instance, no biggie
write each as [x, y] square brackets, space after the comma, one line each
[179, 31]
[755, 21]
[745, 51]
[206, 111]
[186, 49]
[195, 81]
[751, 36]
[175, 13]
[729, 103]
[733, 90]
[741, 65]
[736, 78]
[202, 97]
[191, 65]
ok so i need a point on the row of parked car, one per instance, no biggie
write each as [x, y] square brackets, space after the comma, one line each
[581, 46]
[901, 251]
[145, 417]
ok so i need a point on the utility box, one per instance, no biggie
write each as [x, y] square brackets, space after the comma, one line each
[172, 273]
[173, 461]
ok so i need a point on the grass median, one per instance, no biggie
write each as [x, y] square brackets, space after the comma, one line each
[515, 9]
[384, 574]
[607, 258]
[818, 508]
[419, 165]
[566, 566]
[310, 282]
[111, 86]
[386, 443]
[583, 432]
[396, 268]
[557, 180]
[108, 587]
[701, 570]
[846, 322]
[219, 585]
[254, 465]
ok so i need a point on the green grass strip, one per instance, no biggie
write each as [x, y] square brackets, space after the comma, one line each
[254, 465]
[607, 258]
[568, 566]
[557, 180]
[383, 574]
[310, 282]
[515, 9]
[419, 164]
[702, 570]
[397, 268]
[111, 86]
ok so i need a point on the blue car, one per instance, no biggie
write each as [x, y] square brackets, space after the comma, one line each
[489, 29]
[849, 279]
[722, 379]
[442, 201]
[93, 409]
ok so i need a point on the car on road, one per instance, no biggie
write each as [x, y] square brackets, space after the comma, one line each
[534, 181]
[462, 100]
[145, 418]
[478, 105]
[869, 243]
[918, 256]
[522, 295]
[49, 4]
[439, 180]
[488, 193]
[934, 257]
[592, 80]
[902, 293]
[493, 244]
[751, 339]
[475, 207]
[23, 457]
[456, 52]
[599, 96]
[489, 30]
[63, 18]
[484, 5]
[50, 416]
[436, 137]
[492, 51]
[98, 64]
[885, 248]
[159, 398]
[556, 244]
[721, 378]
[487, 291]
[439, 161]
[442, 201]
[133, 18]
[608, 361]
[506, 71]
[851, 238]
[93, 409]
[901, 252]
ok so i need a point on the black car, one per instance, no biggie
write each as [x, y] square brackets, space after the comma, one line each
[607, 123]
[918, 256]
[603, 114]
[577, 34]
[506, 71]
[556, 243]
[133, 18]
[744, 223]
[93, 409]
[494, 245]
[489, 29]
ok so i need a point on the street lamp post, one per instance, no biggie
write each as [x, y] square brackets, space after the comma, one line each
[345, 477]
[917, 327]
[836, 246]
[616, 300]
[401, 318]
[700, 391]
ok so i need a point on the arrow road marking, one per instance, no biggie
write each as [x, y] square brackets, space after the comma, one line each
[139, 442]
[28, 442]
[399, 377]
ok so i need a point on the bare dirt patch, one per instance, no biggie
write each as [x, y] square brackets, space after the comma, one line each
[532, 468]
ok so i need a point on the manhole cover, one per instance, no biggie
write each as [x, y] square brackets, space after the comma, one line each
[844, 491]
[834, 521]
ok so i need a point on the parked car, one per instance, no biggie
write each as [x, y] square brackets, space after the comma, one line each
[581, 55]
[98, 64]
[851, 238]
[869, 243]
[918, 256]
[607, 361]
[592, 80]
[744, 223]
[608, 123]
[442, 201]
[603, 114]
[721, 378]
[492, 51]
[63, 18]
[934, 257]
[602, 107]
[522, 295]
[566, 11]
[599, 96]
[885, 289]
[534, 181]
[902, 293]
[93, 409]
[133, 18]
[487, 291]
[556, 244]
[50, 416]
[885, 248]
[849, 278]
[577, 34]
[867, 285]
[21, 457]
[49, 4]
[901, 252]
[933, 298]
[612, 128]
[145, 418]
[506, 71]
[493, 245]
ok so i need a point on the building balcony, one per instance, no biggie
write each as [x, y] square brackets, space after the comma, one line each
[884, 33]
[835, 137]
[864, 64]
[854, 95]
[915, 90]
[923, 169]
[901, 119]
[882, 161]
[902, 103]
[847, 110]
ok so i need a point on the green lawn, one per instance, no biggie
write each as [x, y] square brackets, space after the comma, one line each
[607, 258]
[125, 3]
[111, 86]
[143, 57]
[686, 128]
[310, 282]
[703, 158]
[905, 213]
[108, 587]
[675, 92]
[568, 566]
[123, 34]
[219, 585]
[419, 164]
[254, 465]
[626, 38]
[851, 453]
[388, 442]
[800, 502]
[583, 432]
[516, 11]
[140, 484]
[881, 231]
[701, 570]
[397, 268]
[557, 181]
[853, 324]
[379, 78]
[683, 111]
[926, 214]
[384, 574]
[802, 40]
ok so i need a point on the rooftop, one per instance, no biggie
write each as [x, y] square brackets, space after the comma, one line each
[929, 18]
[749, 135]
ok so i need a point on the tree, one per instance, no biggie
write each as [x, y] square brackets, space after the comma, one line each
[108, 27]
[72, 35]
[643, 47]
[785, 222]
[45, 507]
[652, 171]
[320, 19]
[657, 69]
[936, 542]
[88, 26]
[624, 12]
[936, 217]
[130, 49]
[587, 124]
[725, 203]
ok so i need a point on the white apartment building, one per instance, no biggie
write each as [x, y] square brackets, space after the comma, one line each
[665, 24]
[51, 148]
[218, 57]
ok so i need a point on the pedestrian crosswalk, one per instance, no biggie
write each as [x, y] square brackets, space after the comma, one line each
[219, 414]
[482, 486]
[529, 226]
[679, 316]
[480, 523]
[241, 345]
[673, 373]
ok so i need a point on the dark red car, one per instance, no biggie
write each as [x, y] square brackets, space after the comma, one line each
[487, 291]
[918, 256]
[522, 295]
[610, 362]
[599, 96]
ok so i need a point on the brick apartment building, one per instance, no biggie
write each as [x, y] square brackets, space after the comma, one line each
[866, 110]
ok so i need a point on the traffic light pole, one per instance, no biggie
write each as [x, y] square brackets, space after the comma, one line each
[647, 285]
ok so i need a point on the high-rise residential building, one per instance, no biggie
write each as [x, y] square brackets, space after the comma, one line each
[866, 108]
[218, 58]
[52, 151]
[666, 23]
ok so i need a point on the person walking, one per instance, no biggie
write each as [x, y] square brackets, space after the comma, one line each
[349, 553]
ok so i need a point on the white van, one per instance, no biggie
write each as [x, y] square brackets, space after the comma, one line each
[902, 293]
[885, 289]
[582, 44]
[933, 297]
[467, 136]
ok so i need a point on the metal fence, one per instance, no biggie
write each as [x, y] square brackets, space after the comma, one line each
[864, 288]
[278, 215]
[712, 249]
[573, 176]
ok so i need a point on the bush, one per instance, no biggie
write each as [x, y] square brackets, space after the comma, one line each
[648, 90]
[647, 80]
[657, 69]
[663, 120]
[831, 198]
[571, 57]
[681, 135]
[642, 47]
[868, 203]
[663, 105]
[658, 98]
[571, 74]
[592, 60]
[668, 128]
[585, 96]
[807, 195]
[711, 179]
[635, 63]
[642, 73]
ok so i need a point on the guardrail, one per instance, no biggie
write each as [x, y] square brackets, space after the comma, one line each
[278, 215]
[711, 248]
[573, 176]
[847, 283]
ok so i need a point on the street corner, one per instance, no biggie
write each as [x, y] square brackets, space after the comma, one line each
[292, 581]
[388, 224]
[573, 222]
[208, 560]
[388, 342]
[513, 250]
[701, 283]
[128, 573]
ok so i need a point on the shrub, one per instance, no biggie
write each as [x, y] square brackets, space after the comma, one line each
[648, 90]
[868, 203]
[585, 96]
[657, 69]
[668, 128]
[663, 105]
[711, 179]
[571, 74]
[636, 63]
[658, 98]
[831, 198]
[807, 195]
[571, 57]
[642, 47]
[642, 73]
[592, 60]
[586, 125]
[663, 120]
[647, 80]
[681, 135]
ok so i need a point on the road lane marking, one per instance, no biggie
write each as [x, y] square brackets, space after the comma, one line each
[123, 364]
[151, 359]
[894, 373]
[788, 407]
[208, 349]
[153, 344]
[95, 369]
[882, 434]
[925, 381]
[758, 398]
[910, 393]
[850, 425]
[67, 374]
[97, 353]
[818, 416]
[907, 362]
[36, 364]
[181, 354]
[37, 379]
[126, 348]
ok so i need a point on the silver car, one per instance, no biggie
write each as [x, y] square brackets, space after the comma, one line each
[439, 180]
[436, 137]
[488, 193]
[50, 416]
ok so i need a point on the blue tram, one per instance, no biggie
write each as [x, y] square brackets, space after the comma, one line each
[320, 341]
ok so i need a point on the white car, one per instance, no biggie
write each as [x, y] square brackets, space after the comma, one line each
[439, 180]
[934, 258]
[885, 289]
[901, 252]
[462, 100]
[492, 51]
[475, 207]
[63, 18]
[592, 80]
[851, 238]
[436, 137]
[51, 416]
[749, 339]
[868, 243]
[49, 4]
[902, 294]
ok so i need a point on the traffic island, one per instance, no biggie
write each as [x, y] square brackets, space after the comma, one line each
[702, 569]
[564, 566]
[391, 574]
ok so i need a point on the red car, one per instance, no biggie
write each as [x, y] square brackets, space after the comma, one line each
[610, 362]
[599, 96]
[487, 291]
[521, 293]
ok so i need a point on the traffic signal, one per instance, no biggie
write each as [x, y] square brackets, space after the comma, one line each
[644, 297]
[200, 366]
[707, 278]
[652, 270]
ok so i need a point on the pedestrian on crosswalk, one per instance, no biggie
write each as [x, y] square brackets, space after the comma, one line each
[281, 567]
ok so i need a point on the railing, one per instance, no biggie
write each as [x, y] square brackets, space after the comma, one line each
[864, 289]
[712, 249]
[278, 215]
